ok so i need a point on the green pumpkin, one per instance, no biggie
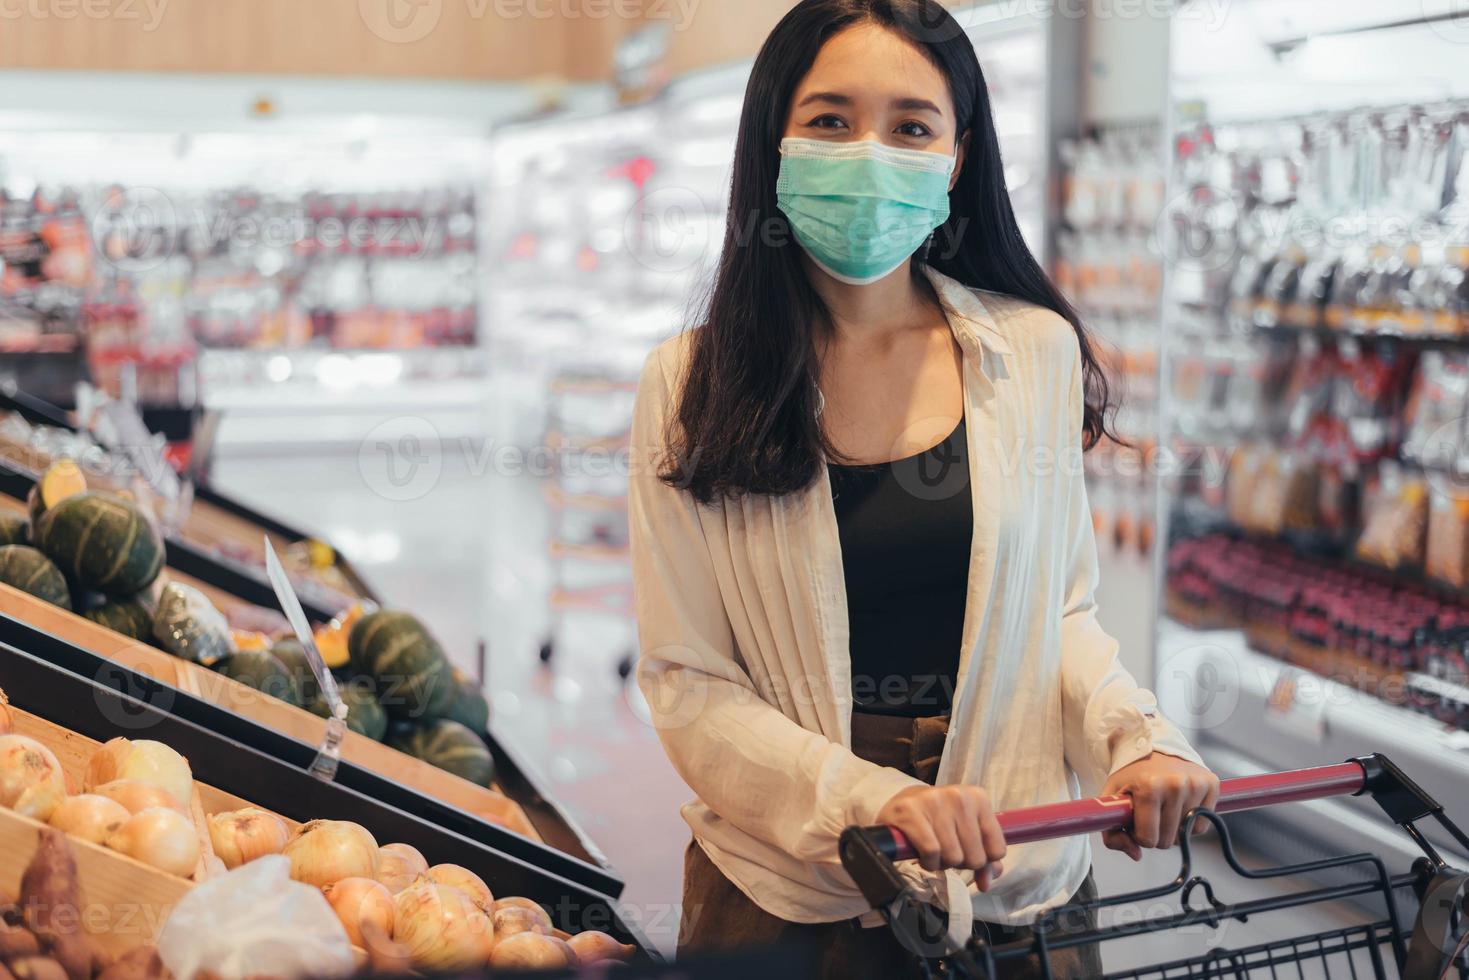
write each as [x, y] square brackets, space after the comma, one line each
[452, 747]
[130, 617]
[14, 530]
[405, 662]
[292, 655]
[25, 568]
[469, 708]
[260, 670]
[364, 715]
[102, 542]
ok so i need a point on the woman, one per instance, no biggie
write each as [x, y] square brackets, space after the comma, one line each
[863, 554]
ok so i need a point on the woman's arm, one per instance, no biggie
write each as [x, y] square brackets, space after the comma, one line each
[748, 762]
[1115, 739]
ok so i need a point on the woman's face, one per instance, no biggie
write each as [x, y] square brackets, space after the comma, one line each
[870, 84]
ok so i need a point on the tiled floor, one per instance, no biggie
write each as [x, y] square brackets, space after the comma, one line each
[469, 556]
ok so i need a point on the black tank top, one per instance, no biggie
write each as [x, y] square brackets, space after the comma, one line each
[905, 530]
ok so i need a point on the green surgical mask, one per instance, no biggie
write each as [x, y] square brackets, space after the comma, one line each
[861, 210]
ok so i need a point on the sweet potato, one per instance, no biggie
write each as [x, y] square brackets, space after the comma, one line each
[50, 899]
[142, 963]
[37, 968]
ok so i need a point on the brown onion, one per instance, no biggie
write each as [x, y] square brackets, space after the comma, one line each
[360, 900]
[466, 881]
[89, 816]
[399, 865]
[31, 782]
[593, 947]
[530, 951]
[137, 796]
[143, 759]
[442, 927]
[163, 838]
[326, 851]
[244, 835]
[512, 921]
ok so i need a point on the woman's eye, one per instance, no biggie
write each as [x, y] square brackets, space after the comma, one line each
[915, 130]
[826, 122]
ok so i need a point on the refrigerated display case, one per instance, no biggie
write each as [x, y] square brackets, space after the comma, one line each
[1312, 396]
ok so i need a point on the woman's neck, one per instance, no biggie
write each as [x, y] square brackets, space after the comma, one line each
[874, 312]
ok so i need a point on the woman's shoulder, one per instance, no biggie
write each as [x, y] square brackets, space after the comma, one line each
[664, 364]
[1035, 334]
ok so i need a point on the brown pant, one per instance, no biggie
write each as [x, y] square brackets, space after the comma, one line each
[718, 916]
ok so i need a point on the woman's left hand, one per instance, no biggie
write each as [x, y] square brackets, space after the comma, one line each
[1163, 788]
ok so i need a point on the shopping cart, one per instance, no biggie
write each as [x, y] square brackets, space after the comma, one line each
[1427, 944]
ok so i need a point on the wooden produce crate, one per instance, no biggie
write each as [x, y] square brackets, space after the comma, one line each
[89, 706]
[281, 717]
[220, 538]
[293, 734]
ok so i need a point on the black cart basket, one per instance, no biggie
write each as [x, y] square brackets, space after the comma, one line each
[1424, 941]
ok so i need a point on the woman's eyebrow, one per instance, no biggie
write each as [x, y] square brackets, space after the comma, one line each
[835, 98]
[916, 105]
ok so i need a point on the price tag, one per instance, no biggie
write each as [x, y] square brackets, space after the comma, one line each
[1297, 705]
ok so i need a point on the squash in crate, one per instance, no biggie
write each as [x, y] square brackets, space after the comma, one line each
[450, 746]
[14, 529]
[62, 479]
[103, 542]
[27, 569]
[130, 617]
[262, 671]
[406, 663]
[364, 715]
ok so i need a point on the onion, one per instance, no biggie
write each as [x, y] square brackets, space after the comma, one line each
[89, 816]
[164, 838]
[143, 759]
[466, 881]
[513, 921]
[398, 865]
[31, 783]
[516, 902]
[360, 900]
[137, 796]
[323, 852]
[442, 927]
[593, 947]
[530, 951]
[244, 835]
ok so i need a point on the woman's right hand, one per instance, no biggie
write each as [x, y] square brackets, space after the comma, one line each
[949, 827]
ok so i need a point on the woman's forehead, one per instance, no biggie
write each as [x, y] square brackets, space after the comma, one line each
[871, 64]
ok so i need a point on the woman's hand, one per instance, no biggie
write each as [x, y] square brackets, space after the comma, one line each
[1163, 788]
[949, 827]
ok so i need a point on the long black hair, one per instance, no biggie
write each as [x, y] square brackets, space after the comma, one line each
[746, 416]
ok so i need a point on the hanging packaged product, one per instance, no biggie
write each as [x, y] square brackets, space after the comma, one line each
[1394, 535]
[1447, 558]
[1434, 414]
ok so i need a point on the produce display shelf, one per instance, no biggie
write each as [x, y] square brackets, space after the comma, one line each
[219, 512]
[292, 735]
[1235, 704]
[277, 782]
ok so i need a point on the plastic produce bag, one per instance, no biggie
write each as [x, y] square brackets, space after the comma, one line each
[255, 921]
[187, 625]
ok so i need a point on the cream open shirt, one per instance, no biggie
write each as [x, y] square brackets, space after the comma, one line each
[742, 621]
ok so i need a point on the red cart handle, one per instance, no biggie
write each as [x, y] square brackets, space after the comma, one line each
[1052, 820]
